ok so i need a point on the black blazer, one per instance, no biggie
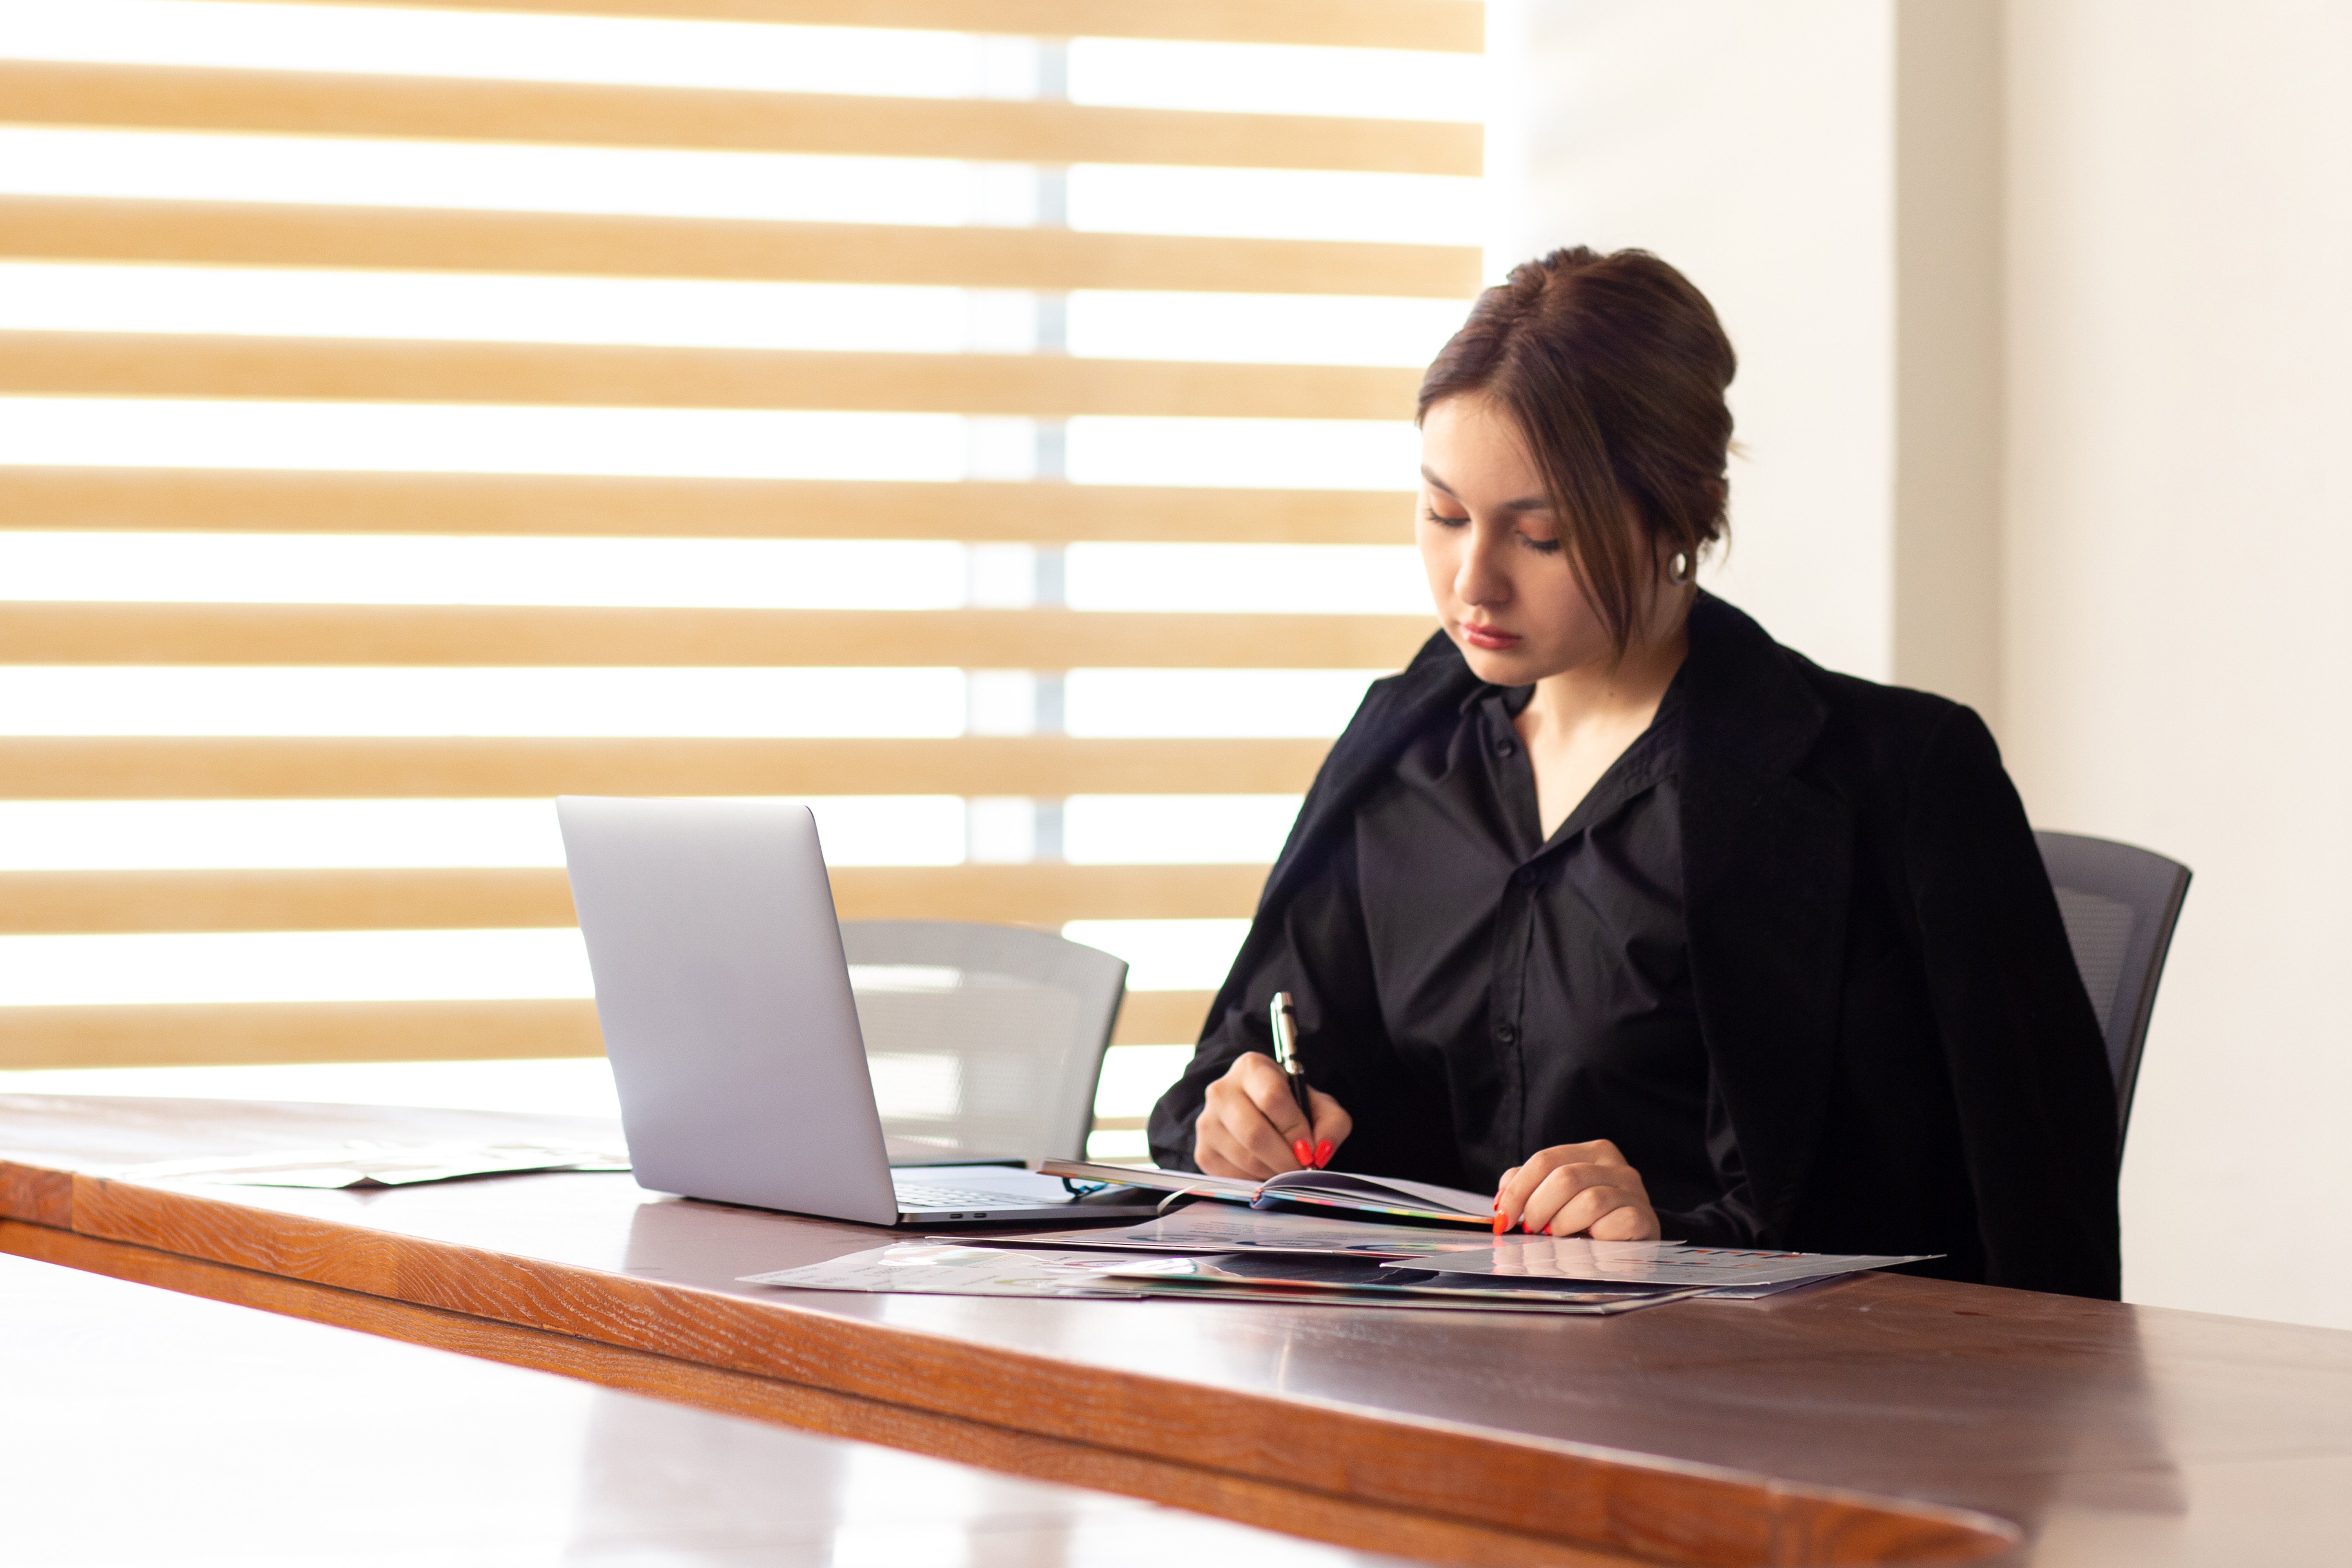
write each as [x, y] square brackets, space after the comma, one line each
[1894, 1022]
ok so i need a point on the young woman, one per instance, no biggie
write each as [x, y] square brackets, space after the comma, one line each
[1612, 904]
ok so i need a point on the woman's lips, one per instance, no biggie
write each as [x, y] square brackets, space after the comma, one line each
[1490, 637]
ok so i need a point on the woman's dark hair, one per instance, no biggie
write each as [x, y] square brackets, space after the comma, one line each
[1614, 367]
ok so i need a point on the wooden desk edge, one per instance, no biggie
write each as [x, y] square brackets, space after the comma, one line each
[1425, 1488]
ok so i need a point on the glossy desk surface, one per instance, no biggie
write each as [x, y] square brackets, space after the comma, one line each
[2104, 1434]
[156, 1427]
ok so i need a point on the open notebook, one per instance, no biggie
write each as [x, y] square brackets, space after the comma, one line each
[1388, 1197]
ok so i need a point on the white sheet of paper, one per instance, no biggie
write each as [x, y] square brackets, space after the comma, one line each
[1380, 1194]
[360, 1162]
[932, 1269]
[1577, 1257]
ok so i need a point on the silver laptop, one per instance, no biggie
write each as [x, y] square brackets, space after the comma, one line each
[730, 1024]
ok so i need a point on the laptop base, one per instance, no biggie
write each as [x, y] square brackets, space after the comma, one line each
[997, 1194]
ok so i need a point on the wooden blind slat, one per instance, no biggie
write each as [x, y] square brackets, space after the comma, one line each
[47, 767]
[217, 1034]
[1038, 893]
[172, 97]
[128, 365]
[1456, 27]
[249, 1034]
[1162, 1018]
[274, 234]
[466, 634]
[233, 500]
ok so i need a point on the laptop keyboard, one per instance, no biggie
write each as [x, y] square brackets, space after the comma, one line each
[915, 1195]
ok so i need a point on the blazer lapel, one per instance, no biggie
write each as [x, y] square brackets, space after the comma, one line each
[1393, 711]
[1767, 863]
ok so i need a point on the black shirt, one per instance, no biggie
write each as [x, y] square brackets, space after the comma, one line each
[1894, 1027]
[1473, 992]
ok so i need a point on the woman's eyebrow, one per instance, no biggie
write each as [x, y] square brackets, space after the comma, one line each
[1525, 503]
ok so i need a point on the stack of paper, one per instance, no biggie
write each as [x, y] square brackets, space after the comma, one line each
[947, 1270]
[1341, 1257]
[1259, 1257]
[1488, 1259]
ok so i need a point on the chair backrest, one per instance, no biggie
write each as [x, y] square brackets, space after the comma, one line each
[2120, 904]
[984, 1040]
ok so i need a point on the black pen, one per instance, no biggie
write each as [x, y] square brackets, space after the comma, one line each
[1285, 1056]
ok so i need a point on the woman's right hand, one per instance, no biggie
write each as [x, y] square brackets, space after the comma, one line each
[1251, 1128]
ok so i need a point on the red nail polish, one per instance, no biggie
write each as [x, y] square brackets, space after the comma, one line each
[1323, 1152]
[1305, 1155]
[1502, 1221]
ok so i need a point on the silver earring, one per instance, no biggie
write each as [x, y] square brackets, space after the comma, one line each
[1679, 568]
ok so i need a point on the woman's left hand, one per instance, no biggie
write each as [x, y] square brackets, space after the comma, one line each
[1577, 1189]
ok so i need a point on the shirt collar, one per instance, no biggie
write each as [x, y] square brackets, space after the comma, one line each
[1656, 754]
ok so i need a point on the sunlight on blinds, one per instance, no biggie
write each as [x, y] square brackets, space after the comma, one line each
[1038, 408]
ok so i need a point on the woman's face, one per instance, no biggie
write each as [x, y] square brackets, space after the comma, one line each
[1504, 585]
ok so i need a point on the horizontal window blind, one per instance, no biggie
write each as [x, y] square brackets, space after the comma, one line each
[361, 372]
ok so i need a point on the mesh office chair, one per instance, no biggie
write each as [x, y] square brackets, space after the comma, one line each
[2120, 904]
[984, 1040]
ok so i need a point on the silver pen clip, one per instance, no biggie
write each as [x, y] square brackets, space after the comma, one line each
[1285, 1037]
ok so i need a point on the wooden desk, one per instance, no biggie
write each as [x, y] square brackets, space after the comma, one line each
[154, 1428]
[1858, 1422]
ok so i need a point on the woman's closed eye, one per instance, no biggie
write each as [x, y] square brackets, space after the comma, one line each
[1449, 520]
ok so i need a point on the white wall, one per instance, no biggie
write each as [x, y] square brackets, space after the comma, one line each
[1751, 147]
[2179, 527]
[2151, 612]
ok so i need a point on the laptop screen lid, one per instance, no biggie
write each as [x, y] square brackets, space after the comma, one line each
[726, 1004]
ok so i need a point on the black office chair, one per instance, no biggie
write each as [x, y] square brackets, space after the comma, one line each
[2120, 904]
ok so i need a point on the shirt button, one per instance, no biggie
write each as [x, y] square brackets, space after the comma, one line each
[1506, 1034]
[1504, 745]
